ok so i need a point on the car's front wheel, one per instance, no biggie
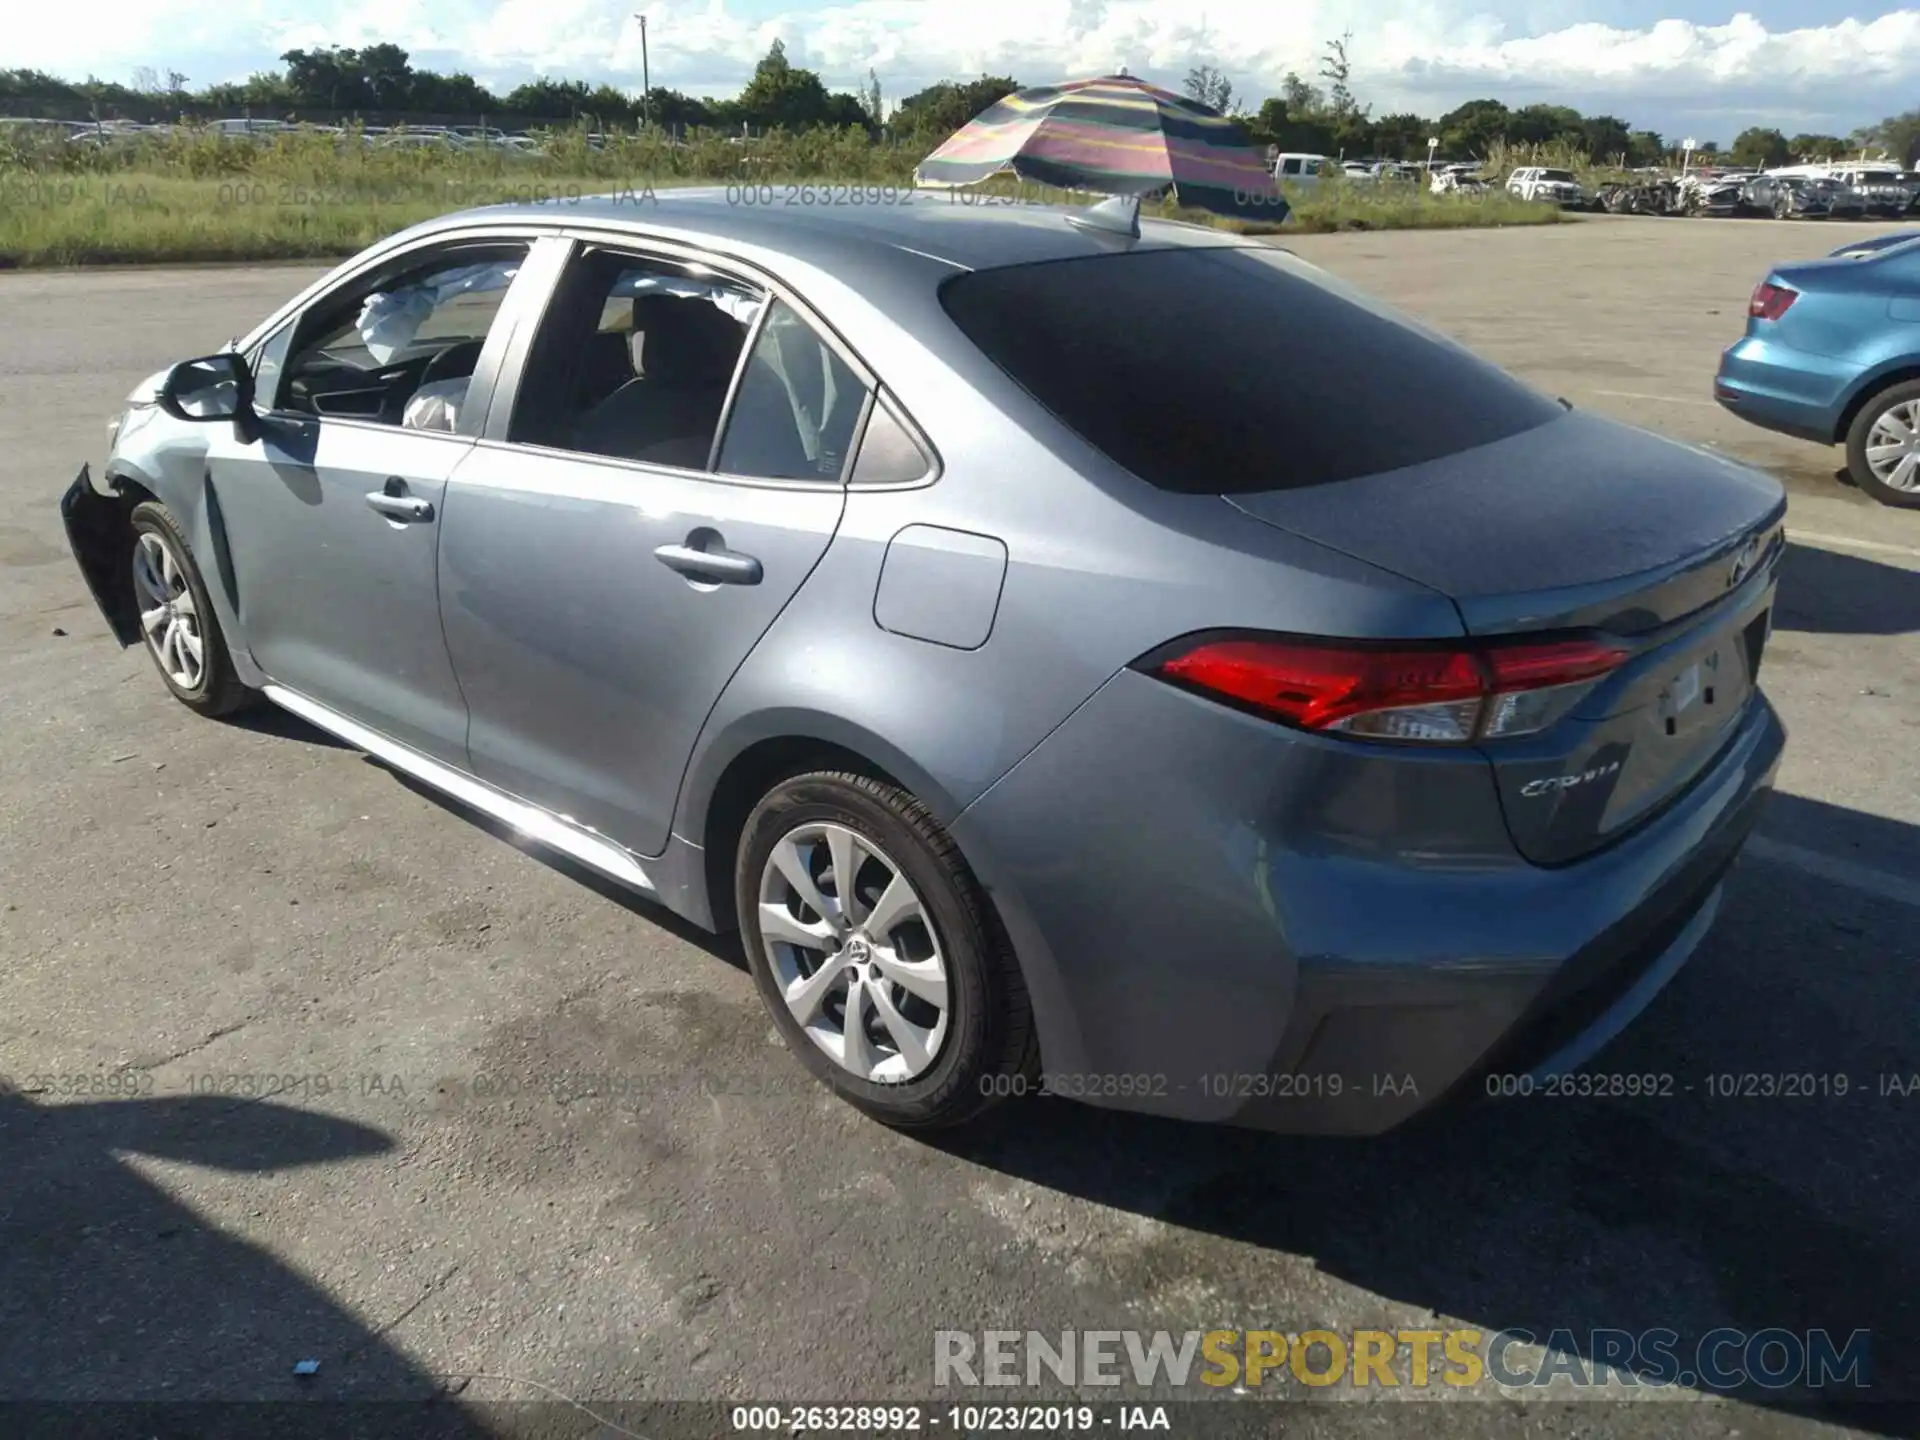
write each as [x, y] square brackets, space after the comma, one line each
[1883, 446]
[878, 953]
[176, 619]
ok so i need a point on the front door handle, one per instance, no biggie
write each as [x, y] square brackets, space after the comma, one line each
[395, 503]
[719, 565]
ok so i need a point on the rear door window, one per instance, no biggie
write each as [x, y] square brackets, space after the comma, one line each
[634, 360]
[797, 405]
[1235, 370]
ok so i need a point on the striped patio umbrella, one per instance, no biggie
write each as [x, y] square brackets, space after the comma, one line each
[1115, 135]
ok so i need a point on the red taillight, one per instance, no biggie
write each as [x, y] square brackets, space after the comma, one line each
[1770, 301]
[1435, 694]
[1556, 662]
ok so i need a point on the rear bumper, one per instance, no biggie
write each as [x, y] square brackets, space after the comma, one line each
[1209, 945]
[1779, 388]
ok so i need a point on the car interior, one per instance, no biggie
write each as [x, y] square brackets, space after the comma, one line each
[402, 351]
[681, 351]
[634, 361]
[637, 360]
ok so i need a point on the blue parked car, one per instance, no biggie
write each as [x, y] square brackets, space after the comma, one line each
[1832, 355]
[1860, 249]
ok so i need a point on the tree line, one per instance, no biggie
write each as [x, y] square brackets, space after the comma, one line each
[1320, 115]
[1327, 119]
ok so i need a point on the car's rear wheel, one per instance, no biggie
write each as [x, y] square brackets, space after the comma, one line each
[1883, 446]
[878, 954]
[177, 621]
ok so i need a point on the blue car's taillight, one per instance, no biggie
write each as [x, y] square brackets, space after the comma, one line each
[1770, 301]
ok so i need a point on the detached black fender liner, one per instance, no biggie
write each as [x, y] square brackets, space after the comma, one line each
[98, 534]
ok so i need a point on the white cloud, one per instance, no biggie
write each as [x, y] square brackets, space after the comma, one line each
[1423, 55]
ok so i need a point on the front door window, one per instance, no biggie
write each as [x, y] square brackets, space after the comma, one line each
[401, 349]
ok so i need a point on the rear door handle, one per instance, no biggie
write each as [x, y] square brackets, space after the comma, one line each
[721, 566]
[395, 503]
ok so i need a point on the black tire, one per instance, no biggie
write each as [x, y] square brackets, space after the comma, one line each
[1857, 467]
[219, 691]
[990, 1049]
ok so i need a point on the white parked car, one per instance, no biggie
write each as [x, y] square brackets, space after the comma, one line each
[1291, 167]
[1883, 190]
[1537, 182]
[1457, 179]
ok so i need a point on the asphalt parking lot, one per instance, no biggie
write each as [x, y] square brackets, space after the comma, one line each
[183, 901]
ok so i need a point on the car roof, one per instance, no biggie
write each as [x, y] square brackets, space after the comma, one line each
[821, 227]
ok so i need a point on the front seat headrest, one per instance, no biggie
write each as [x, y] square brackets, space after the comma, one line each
[683, 340]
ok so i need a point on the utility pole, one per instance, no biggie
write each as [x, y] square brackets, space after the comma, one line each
[646, 81]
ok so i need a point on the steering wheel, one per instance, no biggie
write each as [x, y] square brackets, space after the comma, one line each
[452, 362]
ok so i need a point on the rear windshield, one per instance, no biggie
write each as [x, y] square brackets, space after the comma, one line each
[1229, 371]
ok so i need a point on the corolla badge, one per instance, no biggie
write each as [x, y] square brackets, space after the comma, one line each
[1554, 783]
[1744, 562]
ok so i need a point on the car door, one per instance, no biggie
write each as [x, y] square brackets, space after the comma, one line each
[662, 468]
[330, 503]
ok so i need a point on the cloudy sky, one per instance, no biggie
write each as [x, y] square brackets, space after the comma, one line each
[1673, 65]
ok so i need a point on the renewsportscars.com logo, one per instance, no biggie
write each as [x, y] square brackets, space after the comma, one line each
[1721, 1360]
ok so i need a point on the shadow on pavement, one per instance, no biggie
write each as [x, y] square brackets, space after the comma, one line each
[123, 1311]
[722, 947]
[1826, 592]
[265, 718]
[1687, 1213]
[1874, 841]
[268, 719]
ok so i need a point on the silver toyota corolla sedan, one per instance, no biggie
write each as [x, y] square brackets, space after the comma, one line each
[1141, 669]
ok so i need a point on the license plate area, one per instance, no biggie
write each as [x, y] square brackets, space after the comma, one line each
[1708, 692]
[1756, 634]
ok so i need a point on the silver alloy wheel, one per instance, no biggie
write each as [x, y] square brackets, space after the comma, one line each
[1893, 447]
[168, 617]
[854, 952]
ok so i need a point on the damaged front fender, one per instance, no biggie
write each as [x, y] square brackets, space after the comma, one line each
[98, 533]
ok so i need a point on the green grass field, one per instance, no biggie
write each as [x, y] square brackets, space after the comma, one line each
[310, 197]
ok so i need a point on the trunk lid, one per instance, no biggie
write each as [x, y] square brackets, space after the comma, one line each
[1580, 523]
[1583, 525]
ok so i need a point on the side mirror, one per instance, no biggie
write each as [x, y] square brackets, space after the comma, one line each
[214, 387]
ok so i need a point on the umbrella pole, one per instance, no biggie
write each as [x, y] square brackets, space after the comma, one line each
[1119, 214]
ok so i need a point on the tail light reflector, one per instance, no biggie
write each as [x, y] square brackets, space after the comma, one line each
[1434, 694]
[1770, 301]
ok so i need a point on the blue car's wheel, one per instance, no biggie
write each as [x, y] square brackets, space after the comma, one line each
[1883, 446]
